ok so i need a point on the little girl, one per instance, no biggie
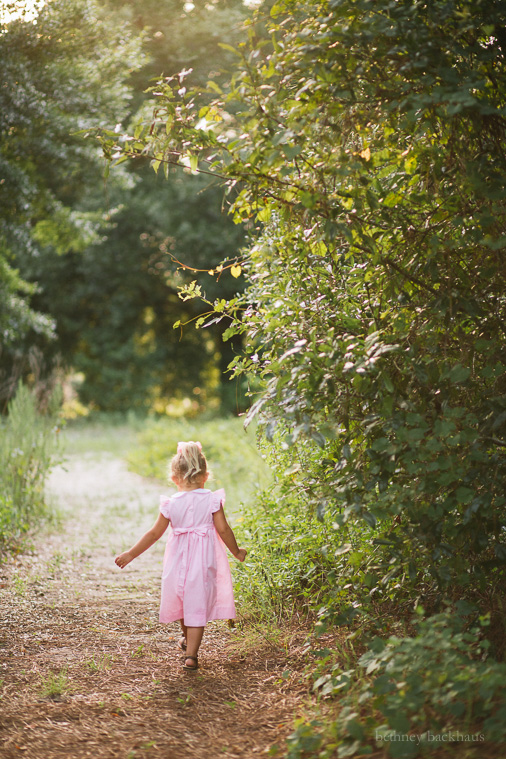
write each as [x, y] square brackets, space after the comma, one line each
[196, 581]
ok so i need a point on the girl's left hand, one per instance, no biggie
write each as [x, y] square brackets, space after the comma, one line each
[123, 559]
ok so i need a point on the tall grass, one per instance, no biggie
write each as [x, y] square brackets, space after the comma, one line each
[28, 444]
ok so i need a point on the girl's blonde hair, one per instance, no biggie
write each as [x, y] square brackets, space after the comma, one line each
[189, 463]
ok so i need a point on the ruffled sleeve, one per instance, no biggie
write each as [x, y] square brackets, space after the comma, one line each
[217, 500]
[165, 506]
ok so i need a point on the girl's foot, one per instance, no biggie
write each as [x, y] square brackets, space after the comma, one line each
[191, 663]
[182, 643]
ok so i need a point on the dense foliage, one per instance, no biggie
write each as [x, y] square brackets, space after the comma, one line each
[128, 283]
[425, 691]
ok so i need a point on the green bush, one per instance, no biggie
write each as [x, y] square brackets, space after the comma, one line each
[305, 555]
[27, 451]
[407, 694]
[287, 566]
[413, 693]
[302, 559]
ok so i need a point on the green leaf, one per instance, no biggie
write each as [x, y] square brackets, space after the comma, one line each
[464, 495]
[369, 518]
[389, 385]
[194, 162]
[318, 438]
[400, 723]
[211, 85]
[459, 374]
[230, 49]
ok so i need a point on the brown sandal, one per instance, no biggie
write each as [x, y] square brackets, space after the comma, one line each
[193, 667]
[182, 643]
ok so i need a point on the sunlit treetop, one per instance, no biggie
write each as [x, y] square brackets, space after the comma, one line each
[25, 10]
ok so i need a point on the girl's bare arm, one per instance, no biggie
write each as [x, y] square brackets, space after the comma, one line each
[147, 540]
[225, 532]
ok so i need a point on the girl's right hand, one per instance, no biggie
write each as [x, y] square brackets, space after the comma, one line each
[123, 559]
[242, 554]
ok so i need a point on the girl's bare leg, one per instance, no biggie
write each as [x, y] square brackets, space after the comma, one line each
[193, 641]
[182, 640]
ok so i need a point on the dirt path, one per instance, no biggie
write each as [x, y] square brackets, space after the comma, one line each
[87, 670]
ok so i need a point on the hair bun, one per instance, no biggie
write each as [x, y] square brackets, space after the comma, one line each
[181, 447]
[189, 459]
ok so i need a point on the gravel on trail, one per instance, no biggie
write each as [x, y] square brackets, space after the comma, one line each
[86, 670]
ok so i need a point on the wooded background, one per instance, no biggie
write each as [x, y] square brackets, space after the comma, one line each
[87, 264]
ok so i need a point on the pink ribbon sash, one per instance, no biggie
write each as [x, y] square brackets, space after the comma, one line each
[200, 531]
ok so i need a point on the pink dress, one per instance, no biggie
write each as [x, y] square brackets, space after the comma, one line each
[196, 581]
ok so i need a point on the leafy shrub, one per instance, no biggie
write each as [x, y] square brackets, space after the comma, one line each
[409, 693]
[27, 451]
[303, 559]
[304, 554]
[287, 567]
